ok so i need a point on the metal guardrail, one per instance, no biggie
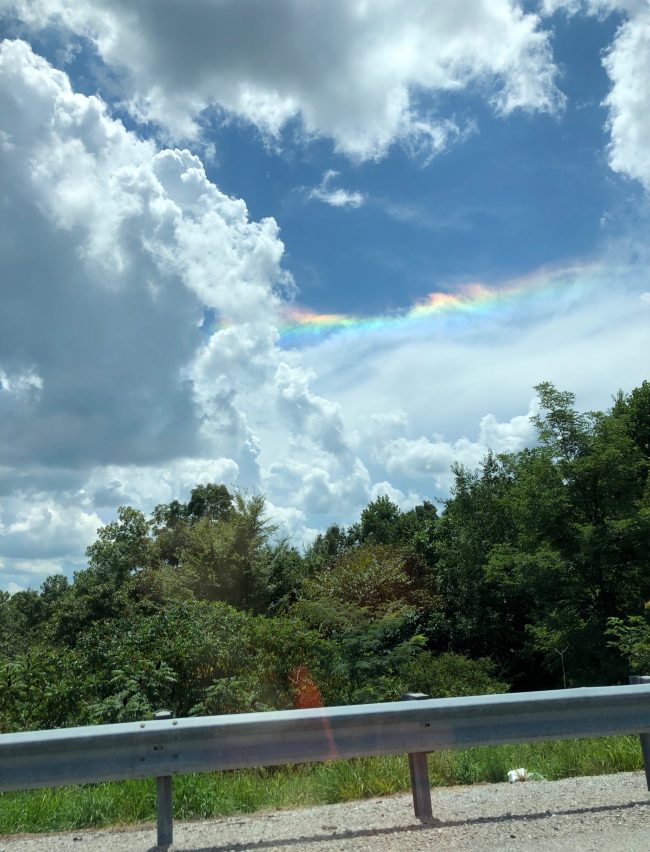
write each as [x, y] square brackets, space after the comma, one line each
[165, 747]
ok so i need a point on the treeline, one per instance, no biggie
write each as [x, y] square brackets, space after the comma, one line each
[535, 574]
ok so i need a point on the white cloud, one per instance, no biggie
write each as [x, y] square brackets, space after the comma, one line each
[103, 365]
[318, 486]
[628, 65]
[335, 196]
[308, 413]
[115, 395]
[133, 244]
[511, 436]
[591, 7]
[24, 383]
[627, 62]
[37, 567]
[291, 524]
[35, 526]
[358, 72]
[386, 489]
[431, 458]
[142, 487]
[585, 336]
[645, 297]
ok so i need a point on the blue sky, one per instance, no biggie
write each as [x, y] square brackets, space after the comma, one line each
[462, 184]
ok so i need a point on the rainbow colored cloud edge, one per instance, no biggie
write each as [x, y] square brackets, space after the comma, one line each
[546, 286]
[472, 298]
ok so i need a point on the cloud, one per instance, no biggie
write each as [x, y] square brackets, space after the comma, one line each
[104, 373]
[36, 526]
[316, 485]
[133, 244]
[590, 7]
[26, 383]
[142, 487]
[404, 501]
[335, 197]
[291, 524]
[428, 459]
[363, 74]
[585, 336]
[112, 389]
[432, 458]
[627, 62]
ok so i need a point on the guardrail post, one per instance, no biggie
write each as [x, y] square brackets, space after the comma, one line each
[164, 809]
[644, 737]
[419, 772]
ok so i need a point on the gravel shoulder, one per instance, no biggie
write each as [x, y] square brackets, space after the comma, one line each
[607, 812]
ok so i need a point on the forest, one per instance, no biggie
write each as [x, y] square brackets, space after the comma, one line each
[534, 574]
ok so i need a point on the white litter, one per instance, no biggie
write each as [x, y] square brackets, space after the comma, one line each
[517, 775]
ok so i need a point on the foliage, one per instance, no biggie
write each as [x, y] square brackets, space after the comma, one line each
[632, 638]
[447, 675]
[535, 574]
[218, 794]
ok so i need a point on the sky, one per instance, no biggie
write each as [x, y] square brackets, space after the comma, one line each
[316, 250]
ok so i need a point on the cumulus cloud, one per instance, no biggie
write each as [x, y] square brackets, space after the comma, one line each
[142, 487]
[133, 244]
[628, 65]
[317, 485]
[447, 376]
[112, 389]
[112, 251]
[627, 62]
[431, 458]
[404, 501]
[363, 74]
[118, 255]
[335, 196]
[292, 524]
[308, 413]
[35, 526]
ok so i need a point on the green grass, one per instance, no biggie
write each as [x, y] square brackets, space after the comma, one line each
[223, 793]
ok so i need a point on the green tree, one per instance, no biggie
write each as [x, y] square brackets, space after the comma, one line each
[227, 559]
[476, 518]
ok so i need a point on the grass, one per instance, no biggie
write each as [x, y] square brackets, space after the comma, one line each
[224, 793]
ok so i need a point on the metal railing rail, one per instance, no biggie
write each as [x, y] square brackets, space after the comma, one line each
[165, 747]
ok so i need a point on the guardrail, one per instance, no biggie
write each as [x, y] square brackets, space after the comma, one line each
[165, 747]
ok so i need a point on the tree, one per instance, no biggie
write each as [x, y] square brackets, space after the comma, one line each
[328, 547]
[226, 559]
[380, 522]
[209, 501]
[476, 518]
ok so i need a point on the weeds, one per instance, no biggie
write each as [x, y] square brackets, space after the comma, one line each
[224, 793]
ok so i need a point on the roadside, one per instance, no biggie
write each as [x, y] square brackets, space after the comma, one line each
[607, 812]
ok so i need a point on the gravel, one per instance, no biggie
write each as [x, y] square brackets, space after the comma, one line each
[607, 812]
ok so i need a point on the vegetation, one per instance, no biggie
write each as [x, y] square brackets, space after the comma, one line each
[535, 574]
[225, 793]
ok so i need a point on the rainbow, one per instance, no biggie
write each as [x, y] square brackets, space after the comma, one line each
[548, 287]
[472, 299]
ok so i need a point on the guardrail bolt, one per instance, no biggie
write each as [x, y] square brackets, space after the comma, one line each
[419, 771]
[164, 804]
